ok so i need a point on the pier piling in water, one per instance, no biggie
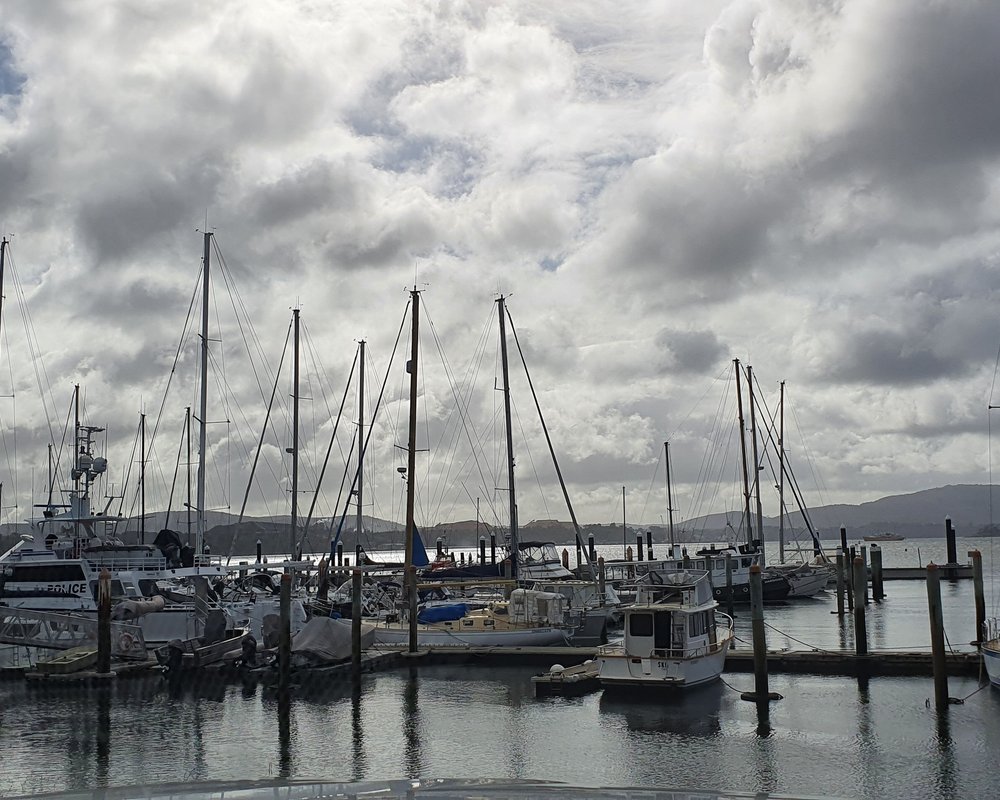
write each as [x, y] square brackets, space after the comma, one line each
[851, 554]
[841, 583]
[729, 583]
[860, 589]
[591, 548]
[340, 554]
[482, 550]
[878, 590]
[259, 552]
[649, 544]
[638, 545]
[977, 585]
[937, 636]
[864, 573]
[356, 589]
[843, 540]
[104, 622]
[565, 558]
[949, 534]
[285, 631]
[579, 553]
[493, 548]
[760, 694]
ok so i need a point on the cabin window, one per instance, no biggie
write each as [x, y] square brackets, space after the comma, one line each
[748, 562]
[467, 623]
[662, 633]
[48, 573]
[720, 563]
[640, 625]
[698, 624]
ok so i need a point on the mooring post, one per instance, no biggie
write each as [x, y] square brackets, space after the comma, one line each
[937, 635]
[729, 584]
[356, 589]
[285, 631]
[649, 544]
[977, 586]
[851, 555]
[860, 629]
[949, 533]
[440, 546]
[357, 555]
[638, 545]
[340, 554]
[591, 548]
[259, 551]
[579, 553]
[840, 583]
[482, 549]
[761, 695]
[104, 622]
[602, 577]
[864, 573]
[493, 548]
[878, 588]
[412, 594]
[565, 558]
[843, 540]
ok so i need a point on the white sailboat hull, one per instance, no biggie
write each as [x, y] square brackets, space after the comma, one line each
[429, 636]
[991, 660]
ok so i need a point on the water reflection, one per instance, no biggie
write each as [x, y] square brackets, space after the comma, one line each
[944, 772]
[411, 724]
[359, 762]
[284, 706]
[694, 712]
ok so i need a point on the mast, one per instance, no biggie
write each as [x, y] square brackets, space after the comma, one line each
[756, 462]
[670, 497]
[411, 464]
[295, 437]
[360, 524]
[187, 429]
[510, 440]
[51, 478]
[3, 261]
[743, 452]
[781, 473]
[76, 462]
[203, 400]
[142, 478]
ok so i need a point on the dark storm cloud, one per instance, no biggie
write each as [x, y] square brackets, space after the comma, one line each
[311, 189]
[689, 351]
[120, 214]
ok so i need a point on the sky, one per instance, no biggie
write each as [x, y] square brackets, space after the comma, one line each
[657, 188]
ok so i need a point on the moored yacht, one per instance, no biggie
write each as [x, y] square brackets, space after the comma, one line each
[674, 637]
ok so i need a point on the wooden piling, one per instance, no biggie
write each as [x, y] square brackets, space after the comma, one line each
[864, 573]
[937, 636]
[591, 548]
[843, 540]
[860, 628]
[579, 554]
[729, 583]
[493, 548]
[649, 544]
[840, 583]
[565, 558]
[104, 622]
[760, 694]
[285, 631]
[482, 549]
[259, 552]
[356, 589]
[977, 585]
[878, 588]
[849, 567]
[949, 533]
[638, 546]
[411, 589]
[340, 554]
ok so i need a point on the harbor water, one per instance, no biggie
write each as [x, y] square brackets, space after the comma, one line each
[828, 737]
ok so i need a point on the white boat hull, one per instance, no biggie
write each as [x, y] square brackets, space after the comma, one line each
[617, 669]
[428, 636]
[991, 660]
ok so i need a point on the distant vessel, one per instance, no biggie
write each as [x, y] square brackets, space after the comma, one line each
[884, 537]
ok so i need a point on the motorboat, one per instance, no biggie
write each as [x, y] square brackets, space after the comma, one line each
[674, 636]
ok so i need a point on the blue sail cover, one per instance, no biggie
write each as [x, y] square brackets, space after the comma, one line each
[442, 613]
[419, 552]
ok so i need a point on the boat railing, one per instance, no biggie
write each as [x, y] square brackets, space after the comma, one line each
[207, 560]
[991, 629]
[117, 563]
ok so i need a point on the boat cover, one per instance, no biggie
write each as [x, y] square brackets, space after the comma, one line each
[325, 639]
[442, 613]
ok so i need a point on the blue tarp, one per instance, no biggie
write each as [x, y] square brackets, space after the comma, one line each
[442, 613]
[419, 553]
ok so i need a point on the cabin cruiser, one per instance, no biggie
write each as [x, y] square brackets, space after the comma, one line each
[674, 636]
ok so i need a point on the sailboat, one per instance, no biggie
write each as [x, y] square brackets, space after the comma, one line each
[528, 617]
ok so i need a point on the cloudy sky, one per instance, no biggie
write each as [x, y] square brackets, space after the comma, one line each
[660, 187]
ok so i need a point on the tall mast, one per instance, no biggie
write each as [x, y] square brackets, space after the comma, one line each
[3, 261]
[510, 440]
[359, 525]
[51, 478]
[187, 429]
[670, 497]
[203, 400]
[76, 462]
[743, 452]
[142, 478]
[781, 474]
[295, 436]
[409, 577]
[756, 461]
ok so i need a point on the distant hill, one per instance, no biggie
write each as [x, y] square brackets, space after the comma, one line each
[914, 515]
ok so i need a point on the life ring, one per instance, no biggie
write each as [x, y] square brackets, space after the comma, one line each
[126, 641]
